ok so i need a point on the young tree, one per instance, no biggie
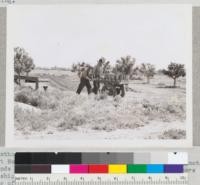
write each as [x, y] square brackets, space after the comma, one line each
[124, 66]
[28, 64]
[18, 61]
[135, 72]
[147, 70]
[22, 62]
[175, 71]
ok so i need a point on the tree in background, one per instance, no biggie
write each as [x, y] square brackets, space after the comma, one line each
[135, 73]
[124, 66]
[18, 61]
[175, 71]
[28, 64]
[147, 70]
[22, 62]
[74, 67]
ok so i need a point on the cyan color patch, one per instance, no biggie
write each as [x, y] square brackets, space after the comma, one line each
[155, 168]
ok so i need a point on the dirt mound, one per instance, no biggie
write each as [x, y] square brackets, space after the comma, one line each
[27, 108]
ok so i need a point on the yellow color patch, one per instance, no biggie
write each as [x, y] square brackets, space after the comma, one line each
[117, 168]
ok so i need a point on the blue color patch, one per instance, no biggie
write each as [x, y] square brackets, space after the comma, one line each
[155, 168]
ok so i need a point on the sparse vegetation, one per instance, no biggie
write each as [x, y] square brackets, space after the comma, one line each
[66, 111]
[60, 109]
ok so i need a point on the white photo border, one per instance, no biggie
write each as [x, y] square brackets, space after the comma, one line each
[96, 145]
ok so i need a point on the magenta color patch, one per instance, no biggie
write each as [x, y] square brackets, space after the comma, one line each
[78, 168]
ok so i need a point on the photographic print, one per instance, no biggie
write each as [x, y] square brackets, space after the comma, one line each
[99, 75]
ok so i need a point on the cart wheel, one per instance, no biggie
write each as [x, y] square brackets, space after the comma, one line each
[122, 91]
[103, 89]
[118, 89]
[114, 91]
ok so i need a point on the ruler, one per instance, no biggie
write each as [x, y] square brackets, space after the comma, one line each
[101, 179]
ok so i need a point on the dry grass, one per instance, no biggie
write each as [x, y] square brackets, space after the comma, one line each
[66, 110]
[61, 109]
[40, 99]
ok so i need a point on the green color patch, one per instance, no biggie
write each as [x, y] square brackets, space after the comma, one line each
[137, 168]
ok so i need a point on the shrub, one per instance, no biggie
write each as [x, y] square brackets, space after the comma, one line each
[21, 97]
[28, 120]
[66, 110]
[41, 99]
[173, 134]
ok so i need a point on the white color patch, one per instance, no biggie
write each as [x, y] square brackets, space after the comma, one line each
[59, 168]
[177, 158]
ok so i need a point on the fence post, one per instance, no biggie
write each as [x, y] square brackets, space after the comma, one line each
[36, 84]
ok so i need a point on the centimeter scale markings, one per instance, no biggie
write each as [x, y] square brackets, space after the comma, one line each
[99, 179]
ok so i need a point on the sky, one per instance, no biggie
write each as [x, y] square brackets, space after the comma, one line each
[56, 35]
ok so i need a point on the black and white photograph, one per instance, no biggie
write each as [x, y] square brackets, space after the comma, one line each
[101, 73]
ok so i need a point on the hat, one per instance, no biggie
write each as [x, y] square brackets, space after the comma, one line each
[82, 64]
[102, 60]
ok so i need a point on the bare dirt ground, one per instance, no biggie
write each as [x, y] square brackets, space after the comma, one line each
[148, 111]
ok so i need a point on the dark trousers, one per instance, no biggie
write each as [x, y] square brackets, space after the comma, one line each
[96, 86]
[84, 82]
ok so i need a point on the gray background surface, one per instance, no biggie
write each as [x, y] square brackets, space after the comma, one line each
[2, 73]
[196, 76]
[194, 2]
[196, 63]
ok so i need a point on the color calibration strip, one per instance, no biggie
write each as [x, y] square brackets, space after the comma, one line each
[105, 163]
[99, 168]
